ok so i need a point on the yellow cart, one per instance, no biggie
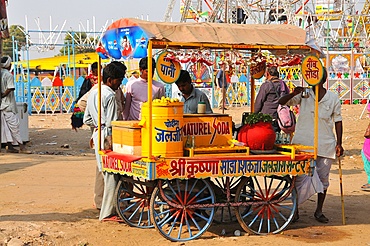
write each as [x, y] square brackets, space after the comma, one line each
[178, 172]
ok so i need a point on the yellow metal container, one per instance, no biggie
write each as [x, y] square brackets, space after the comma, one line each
[209, 130]
[167, 122]
[126, 137]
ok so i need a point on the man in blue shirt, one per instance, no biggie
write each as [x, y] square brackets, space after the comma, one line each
[190, 95]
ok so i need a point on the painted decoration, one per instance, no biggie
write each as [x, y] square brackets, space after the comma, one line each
[168, 70]
[125, 42]
[38, 100]
[312, 70]
[258, 70]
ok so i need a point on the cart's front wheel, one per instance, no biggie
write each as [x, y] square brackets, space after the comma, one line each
[272, 202]
[182, 210]
[132, 202]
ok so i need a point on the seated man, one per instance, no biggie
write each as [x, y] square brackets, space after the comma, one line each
[190, 95]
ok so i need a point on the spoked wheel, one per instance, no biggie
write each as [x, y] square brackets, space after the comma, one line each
[273, 203]
[179, 208]
[225, 214]
[132, 202]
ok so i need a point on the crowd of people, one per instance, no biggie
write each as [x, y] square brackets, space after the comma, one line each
[118, 106]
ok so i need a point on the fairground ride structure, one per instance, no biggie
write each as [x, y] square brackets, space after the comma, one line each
[334, 24]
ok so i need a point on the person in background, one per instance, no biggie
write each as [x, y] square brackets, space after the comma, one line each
[329, 144]
[89, 82]
[10, 131]
[365, 154]
[268, 95]
[113, 75]
[134, 75]
[191, 96]
[137, 91]
[222, 85]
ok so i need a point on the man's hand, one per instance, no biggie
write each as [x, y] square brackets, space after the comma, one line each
[339, 150]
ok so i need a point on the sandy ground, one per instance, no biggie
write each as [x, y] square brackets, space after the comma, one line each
[46, 197]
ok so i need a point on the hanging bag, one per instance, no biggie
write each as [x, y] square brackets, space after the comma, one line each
[286, 118]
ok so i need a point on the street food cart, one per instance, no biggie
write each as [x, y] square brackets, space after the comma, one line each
[180, 172]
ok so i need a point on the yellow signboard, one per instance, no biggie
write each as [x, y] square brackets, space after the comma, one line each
[168, 70]
[312, 70]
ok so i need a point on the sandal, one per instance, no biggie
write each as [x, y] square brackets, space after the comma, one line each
[114, 218]
[24, 151]
[321, 218]
[12, 151]
[365, 187]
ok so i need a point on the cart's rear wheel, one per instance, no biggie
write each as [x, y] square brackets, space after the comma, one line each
[170, 210]
[274, 202]
[132, 203]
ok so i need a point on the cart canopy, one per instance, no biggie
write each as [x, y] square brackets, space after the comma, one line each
[129, 37]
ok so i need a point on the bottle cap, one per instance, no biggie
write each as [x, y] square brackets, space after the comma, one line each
[201, 103]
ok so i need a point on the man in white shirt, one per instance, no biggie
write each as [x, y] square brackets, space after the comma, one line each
[113, 75]
[329, 144]
[10, 132]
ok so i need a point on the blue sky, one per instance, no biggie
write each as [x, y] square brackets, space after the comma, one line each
[80, 14]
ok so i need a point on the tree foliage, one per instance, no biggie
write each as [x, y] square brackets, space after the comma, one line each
[17, 32]
[79, 41]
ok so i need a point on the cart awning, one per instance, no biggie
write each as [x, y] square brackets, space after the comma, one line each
[211, 35]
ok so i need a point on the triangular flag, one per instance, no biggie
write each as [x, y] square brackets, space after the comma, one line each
[46, 82]
[68, 81]
[57, 81]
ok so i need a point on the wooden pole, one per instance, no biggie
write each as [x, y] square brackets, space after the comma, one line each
[341, 191]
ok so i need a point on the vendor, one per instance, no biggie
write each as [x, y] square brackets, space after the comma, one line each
[191, 96]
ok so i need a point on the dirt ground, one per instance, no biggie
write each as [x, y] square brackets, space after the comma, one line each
[46, 198]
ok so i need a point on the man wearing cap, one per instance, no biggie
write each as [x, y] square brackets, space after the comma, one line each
[10, 133]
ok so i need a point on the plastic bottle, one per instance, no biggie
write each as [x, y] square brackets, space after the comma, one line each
[201, 108]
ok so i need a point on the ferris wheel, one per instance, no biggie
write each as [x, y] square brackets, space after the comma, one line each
[331, 23]
[237, 11]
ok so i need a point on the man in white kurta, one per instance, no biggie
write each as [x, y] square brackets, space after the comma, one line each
[329, 144]
[10, 132]
[113, 75]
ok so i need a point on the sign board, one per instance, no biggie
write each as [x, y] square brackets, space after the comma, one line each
[168, 70]
[312, 70]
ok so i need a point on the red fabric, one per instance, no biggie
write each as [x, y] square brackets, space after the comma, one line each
[260, 136]
[123, 157]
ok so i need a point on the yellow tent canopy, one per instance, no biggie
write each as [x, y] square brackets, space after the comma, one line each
[77, 61]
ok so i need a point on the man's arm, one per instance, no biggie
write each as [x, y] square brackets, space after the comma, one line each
[6, 92]
[126, 111]
[260, 98]
[284, 99]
